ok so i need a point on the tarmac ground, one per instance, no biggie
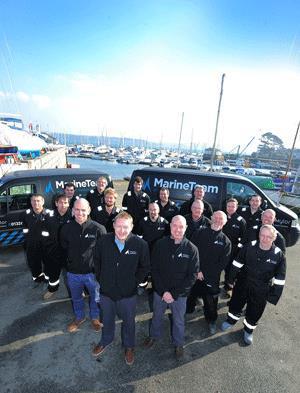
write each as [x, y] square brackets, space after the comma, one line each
[37, 354]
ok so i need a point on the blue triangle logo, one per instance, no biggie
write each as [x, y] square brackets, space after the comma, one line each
[147, 185]
[49, 188]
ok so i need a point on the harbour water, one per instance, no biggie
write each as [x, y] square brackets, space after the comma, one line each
[114, 169]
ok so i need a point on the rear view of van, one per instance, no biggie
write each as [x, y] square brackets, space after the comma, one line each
[17, 187]
[218, 188]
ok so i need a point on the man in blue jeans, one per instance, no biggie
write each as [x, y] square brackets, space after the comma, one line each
[78, 238]
[175, 265]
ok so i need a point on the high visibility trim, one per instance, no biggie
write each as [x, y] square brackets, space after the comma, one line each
[53, 284]
[99, 208]
[143, 284]
[240, 245]
[46, 277]
[277, 249]
[237, 264]
[278, 282]
[247, 324]
[233, 316]
[25, 230]
[124, 208]
[129, 193]
[45, 233]
[253, 242]
[40, 275]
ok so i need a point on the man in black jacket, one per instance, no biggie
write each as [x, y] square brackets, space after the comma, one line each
[235, 230]
[267, 217]
[252, 213]
[214, 252]
[136, 202]
[106, 213]
[95, 197]
[121, 264]
[198, 194]
[196, 220]
[167, 208]
[175, 265]
[79, 238]
[55, 257]
[32, 229]
[258, 264]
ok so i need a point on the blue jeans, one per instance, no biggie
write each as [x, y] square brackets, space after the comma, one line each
[178, 308]
[76, 283]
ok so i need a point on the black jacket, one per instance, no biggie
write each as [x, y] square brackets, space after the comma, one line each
[101, 216]
[95, 198]
[33, 226]
[51, 232]
[168, 211]
[257, 268]
[152, 231]
[192, 225]
[79, 242]
[214, 253]
[119, 273]
[235, 230]
[136, 205]
[174, 266]
[251, 219]
[186, 208]
[253, 234]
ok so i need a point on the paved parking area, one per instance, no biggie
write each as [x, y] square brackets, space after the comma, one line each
[38, 355]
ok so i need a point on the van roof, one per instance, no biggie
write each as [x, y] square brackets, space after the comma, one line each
[50, 172]
[194, 172]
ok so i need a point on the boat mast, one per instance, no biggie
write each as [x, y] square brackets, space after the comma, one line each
[179, 142]
[217, 123]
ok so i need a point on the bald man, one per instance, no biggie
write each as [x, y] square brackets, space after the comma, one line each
[175, 264]
[78, 238]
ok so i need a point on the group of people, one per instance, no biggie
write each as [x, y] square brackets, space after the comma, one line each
[178, 254]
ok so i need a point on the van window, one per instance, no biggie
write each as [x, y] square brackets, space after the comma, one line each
[240, 191]
[19, 196]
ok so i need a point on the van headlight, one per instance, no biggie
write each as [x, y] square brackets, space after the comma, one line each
[294, 223]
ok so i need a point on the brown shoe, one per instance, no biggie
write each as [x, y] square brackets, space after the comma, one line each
[148, 343]
[179, 352]
[129, 356]
[98, 350]
[73, 326]
[96, 325]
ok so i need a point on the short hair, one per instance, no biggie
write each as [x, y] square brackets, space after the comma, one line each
[269, 211]
[123, 216]
[85, 201]
[69, 185]
[102, 178]
[165, 189]
[232, 200]
[61, 196]
[271, 228]
[111, 191]
[154, 204]
[197, 201]
[199, 186]
[37, 196]
[138, 179]
[254, 196]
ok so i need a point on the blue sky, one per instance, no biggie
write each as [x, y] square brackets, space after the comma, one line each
[132, 67]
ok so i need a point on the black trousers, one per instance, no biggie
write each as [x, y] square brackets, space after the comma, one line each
[255, 301]
[210, 300]
[35, 260]
[54, 261]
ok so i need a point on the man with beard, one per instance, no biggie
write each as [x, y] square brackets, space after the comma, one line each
[105, 214]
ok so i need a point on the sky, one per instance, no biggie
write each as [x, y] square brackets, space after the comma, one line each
[132, 68]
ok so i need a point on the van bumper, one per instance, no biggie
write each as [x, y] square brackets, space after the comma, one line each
[294, 235]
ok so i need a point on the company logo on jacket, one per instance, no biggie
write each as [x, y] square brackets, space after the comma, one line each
[130, 252]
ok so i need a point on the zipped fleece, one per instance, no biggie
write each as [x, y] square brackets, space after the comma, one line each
[79, 242]
[119, 273]
[174, 272]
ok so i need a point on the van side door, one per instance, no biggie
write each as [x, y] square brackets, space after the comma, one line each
[17, 201]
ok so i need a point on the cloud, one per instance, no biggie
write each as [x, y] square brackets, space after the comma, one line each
[23, 97]
[41, 101]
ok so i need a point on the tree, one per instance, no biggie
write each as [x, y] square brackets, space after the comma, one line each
[271, 146]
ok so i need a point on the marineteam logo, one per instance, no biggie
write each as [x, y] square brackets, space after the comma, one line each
[176, 185]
